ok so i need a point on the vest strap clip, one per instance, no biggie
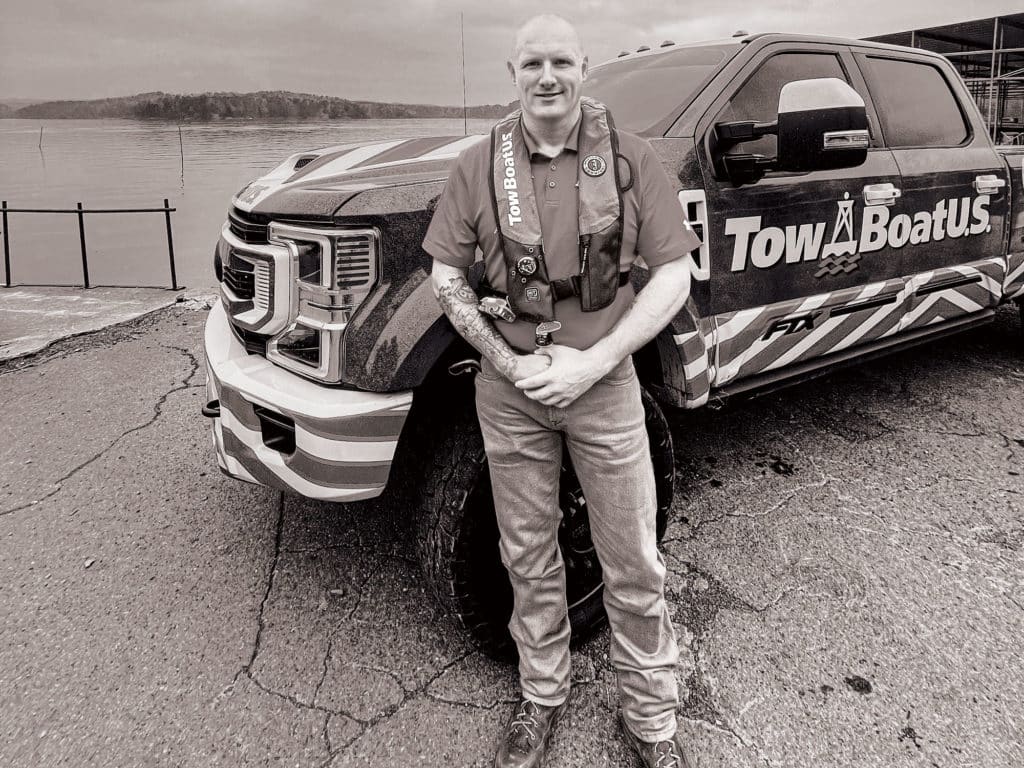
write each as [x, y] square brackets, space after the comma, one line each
[564, 288]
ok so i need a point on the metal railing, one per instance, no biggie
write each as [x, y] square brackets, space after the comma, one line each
[80, 212]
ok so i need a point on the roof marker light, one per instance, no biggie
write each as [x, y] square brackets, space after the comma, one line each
[643, 48]
[666, 44]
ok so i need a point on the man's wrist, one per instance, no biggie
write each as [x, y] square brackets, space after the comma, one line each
[506, 366]
[601, 358]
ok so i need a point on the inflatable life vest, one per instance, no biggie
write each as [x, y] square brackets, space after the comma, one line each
[530, 290]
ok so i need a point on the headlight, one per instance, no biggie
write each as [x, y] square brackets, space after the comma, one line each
[333, 270]
[310, 263]
[218, 265]
[300, 343]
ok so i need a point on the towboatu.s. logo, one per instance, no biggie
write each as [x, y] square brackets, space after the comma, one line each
[765, 247]
[515, 212]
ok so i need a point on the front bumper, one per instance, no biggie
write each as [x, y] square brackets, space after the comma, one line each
[344, 440]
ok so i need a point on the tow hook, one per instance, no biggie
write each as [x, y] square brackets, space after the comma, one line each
[212, 409]
[469, 365]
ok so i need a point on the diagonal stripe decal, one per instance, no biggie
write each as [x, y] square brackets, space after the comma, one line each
[349, 160]
[455, 148]
[799, 345]
[412, 149]
[743, 351]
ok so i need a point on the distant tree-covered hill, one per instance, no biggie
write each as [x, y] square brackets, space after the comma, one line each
[222, 106]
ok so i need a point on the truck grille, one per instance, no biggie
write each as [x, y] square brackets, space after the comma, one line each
[261, 287]
[353, 261]
[240, 277]
[247, 227]
[248, 281]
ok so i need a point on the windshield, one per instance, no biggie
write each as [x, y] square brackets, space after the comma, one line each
[643, 91]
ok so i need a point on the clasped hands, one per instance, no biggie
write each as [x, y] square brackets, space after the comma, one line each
[557, 375]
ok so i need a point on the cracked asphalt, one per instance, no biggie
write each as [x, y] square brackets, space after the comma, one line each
[846, 579]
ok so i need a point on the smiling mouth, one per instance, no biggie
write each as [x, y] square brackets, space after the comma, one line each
[549, 95]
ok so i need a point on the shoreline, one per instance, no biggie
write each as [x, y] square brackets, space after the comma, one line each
[35, 318]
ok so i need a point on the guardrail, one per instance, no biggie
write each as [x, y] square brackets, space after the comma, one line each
[80, 212]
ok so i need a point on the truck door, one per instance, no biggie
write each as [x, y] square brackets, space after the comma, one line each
[790, 278]
[952, 210]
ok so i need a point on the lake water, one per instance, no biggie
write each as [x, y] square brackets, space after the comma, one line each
[136, 164]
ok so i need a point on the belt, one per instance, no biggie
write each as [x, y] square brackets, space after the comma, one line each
[564, 288]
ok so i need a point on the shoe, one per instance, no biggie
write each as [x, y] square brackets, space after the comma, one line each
[668, 753]
[527, 735]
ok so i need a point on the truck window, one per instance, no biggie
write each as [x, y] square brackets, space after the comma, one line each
[915, 104]
[758, 98]
[641, 92]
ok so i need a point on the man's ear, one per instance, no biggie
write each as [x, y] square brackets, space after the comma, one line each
[511, 71]
[585, 67]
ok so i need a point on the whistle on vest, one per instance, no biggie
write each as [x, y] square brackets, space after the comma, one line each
[500, 309]
[542, 334]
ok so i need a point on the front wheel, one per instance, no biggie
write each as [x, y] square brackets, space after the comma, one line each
[457, 537]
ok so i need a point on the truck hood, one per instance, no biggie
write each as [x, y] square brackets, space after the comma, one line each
[316, 183]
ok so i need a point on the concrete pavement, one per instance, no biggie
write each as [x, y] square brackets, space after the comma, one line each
[846, 575]
[31, 317]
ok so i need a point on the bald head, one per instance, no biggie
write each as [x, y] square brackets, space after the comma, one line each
[548, 68]
[547, 27]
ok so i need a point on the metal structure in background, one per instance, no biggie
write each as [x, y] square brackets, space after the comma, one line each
[80, 212]
[989, 54]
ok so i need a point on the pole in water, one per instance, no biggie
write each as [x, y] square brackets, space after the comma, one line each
[181, 149]
[40, 137]
[462, 35]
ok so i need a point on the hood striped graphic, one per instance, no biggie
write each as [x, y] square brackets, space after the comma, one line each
[338, 164]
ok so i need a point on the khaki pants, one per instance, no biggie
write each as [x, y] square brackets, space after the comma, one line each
[606, 438]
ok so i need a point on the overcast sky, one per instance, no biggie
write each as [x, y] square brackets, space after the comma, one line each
[383, 50]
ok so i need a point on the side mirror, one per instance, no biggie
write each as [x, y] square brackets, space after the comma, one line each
[822, 125]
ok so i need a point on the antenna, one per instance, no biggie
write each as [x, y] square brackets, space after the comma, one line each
[462, 35]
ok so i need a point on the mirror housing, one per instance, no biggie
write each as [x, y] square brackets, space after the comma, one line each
[822, 125]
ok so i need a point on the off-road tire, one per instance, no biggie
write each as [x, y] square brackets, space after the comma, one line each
[457, 534]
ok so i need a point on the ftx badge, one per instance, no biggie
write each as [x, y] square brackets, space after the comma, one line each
[532, 294]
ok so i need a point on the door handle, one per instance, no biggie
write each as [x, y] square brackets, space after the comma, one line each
[880, 194]
[988, 184]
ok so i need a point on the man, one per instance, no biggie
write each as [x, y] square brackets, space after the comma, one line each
[561, 204]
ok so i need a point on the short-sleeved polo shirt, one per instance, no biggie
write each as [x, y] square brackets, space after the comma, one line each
[654, 228]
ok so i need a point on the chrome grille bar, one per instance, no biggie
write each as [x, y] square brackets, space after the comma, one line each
[261, 293]
[353, 261]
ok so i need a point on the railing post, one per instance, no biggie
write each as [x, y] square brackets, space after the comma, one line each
[81, 236]
[170, 244]
[7, 249]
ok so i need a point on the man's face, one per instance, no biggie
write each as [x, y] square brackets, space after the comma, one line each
[548, 70]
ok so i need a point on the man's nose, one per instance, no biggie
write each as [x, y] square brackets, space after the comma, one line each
[547, 74]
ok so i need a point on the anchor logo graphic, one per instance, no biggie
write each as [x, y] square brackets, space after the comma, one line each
[840, 256]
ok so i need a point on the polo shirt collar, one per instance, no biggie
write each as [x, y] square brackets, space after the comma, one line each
[571, 143]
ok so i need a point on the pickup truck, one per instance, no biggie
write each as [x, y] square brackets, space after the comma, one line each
[849, 203]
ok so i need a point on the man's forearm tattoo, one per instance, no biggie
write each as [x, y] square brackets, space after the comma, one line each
[459, 302]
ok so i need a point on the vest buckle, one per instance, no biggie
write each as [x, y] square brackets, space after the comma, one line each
[498, 308]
